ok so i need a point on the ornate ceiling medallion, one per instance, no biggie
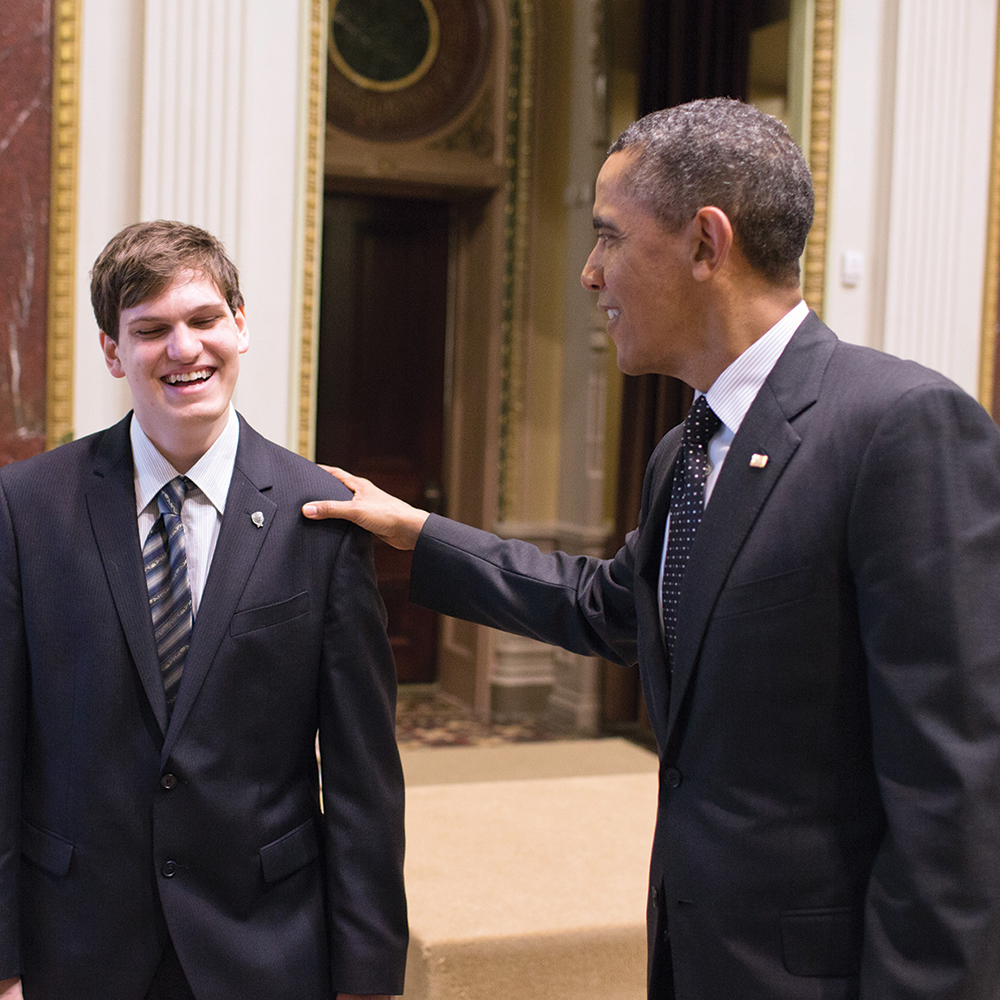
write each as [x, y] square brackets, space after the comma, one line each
[401, 69]
[384, 49]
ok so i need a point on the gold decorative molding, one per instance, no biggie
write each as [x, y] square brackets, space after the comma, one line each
[311, 229]
[62, 222]
[988, 338]
[820, 133]
[517, 165]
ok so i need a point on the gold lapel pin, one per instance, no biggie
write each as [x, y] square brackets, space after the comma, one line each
[758, 461]
[258, 518]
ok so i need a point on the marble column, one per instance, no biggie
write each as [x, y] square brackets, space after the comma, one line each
[25, 139]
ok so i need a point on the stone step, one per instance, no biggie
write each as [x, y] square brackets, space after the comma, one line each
[526, 870]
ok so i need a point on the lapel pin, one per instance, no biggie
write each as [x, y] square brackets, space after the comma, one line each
[258, 518]
[758, 461]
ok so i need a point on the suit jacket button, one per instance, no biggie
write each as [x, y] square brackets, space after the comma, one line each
[169, 869]
[168, 781]
[672, 777]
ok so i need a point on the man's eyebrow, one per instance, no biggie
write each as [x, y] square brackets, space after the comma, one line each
[147, 318]
[601, 223]
[151, 317]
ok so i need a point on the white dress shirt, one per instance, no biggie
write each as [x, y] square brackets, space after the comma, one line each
[731, 396]
[204, 505]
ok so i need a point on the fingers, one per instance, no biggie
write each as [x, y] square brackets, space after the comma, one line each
[318, 510]
[353, 483]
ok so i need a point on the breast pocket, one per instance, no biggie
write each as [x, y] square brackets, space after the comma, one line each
[766, 592]
[269, 614]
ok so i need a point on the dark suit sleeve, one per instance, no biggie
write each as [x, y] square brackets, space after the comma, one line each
[13, 708]
[362, 781]
[580, 603]
[924, 545]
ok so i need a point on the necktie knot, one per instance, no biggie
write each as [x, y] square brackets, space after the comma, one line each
[700, 424]
[170, 499]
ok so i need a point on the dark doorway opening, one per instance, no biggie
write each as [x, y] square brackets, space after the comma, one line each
[381, 381]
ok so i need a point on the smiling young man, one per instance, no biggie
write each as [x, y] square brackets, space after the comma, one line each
[810, 594]
[180, 354]
[173, 636]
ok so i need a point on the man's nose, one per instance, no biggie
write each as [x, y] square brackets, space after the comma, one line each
[592, 276]
[184, 344]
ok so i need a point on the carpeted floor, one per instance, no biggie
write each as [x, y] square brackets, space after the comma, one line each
[426, 718]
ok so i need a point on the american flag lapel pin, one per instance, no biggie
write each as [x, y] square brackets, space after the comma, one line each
[757, 460]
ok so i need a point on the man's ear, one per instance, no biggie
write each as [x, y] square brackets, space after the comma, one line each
[243, 340]
[713, 233]
[111, 358]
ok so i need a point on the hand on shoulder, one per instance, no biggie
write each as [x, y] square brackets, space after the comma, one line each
[386, 517]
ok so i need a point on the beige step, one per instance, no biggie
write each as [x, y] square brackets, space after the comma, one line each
[526, 870]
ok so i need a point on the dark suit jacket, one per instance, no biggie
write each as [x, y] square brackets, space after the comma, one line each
[829, 810]
[110, 816]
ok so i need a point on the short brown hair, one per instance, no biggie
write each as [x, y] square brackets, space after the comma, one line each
[144, 259]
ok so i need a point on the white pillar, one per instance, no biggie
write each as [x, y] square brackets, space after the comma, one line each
[909, 178]
[221, 149]
[940, 184]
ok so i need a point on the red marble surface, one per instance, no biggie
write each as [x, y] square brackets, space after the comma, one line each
[25, 138]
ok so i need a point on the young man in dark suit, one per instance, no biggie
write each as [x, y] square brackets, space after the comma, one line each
[812, 595]
[173, 636]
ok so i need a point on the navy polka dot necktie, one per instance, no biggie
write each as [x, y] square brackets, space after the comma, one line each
[687, 501]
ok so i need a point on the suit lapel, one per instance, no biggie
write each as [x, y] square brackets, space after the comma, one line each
[239, 544]
[742, 490]
[648, 556]
[111, 506]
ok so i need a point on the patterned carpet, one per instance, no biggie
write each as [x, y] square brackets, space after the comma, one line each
[426, 718]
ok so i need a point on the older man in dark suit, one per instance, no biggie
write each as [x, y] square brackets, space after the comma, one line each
[173, 635]
[812, 595]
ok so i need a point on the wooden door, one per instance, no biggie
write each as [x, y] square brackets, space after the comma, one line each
[380, 408]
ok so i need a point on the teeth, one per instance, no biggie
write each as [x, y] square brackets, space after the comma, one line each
[187, 376]
[614, 313]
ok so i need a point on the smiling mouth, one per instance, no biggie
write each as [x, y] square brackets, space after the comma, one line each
[202, 375]
[614, 314]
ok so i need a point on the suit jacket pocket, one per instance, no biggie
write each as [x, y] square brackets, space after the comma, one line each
[47, 850]
[822, 942]
[270, 614]
[291, 852]
[767, 592]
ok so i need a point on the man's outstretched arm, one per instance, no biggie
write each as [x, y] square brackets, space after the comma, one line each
[580, 603]
[387, 518]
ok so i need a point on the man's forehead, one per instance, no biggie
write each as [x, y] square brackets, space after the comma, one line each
[613, 195]
[194, 287]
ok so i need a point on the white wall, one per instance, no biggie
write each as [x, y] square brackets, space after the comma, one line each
[909, 177]
[107, 186]
[190, 111]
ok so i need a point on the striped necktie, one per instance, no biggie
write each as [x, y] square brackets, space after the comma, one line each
[165, 562]
[687, 501]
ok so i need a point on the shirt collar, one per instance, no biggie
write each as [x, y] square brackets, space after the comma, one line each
[733, 392]
[211, 473]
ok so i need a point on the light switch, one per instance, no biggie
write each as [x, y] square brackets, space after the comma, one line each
[851, 268]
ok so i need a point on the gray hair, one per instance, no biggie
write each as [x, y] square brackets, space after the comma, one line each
[728, 154]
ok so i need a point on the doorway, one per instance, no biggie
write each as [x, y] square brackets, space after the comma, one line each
[381, 376]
